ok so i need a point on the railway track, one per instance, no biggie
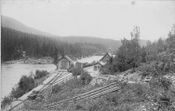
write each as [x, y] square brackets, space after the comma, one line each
[88, 95]
[63, 76]
[63, 79]
[59, 78]
[46, 85]
[52, 81]
[91, 94]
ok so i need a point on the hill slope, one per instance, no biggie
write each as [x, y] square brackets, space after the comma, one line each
[16, 25]
[17, 36]
[11, 23]
[15, 42]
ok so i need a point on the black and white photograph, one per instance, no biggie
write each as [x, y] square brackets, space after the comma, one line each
[87, 55]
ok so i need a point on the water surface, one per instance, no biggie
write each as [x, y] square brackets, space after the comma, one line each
[11, 74]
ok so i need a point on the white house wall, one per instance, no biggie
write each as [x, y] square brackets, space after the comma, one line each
[91, 71]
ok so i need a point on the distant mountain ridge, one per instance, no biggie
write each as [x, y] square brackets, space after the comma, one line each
[108, 43]
[18, 26]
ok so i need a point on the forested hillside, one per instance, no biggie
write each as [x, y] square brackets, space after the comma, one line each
[38, 44]
[15, 42]
[132, 55]
[11, 23]
[108, 43]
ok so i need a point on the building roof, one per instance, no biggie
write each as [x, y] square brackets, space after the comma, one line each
[89, 65]
[89, 59]
[67, 58]
[107, 54]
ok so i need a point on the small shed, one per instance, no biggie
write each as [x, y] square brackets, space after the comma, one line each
[65, 62]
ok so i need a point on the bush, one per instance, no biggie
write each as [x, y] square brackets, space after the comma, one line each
[40, 74]
[17, 92]
[6, 101]
[165, 83]
[109, 68]
[156, 69]
[160, 83]
[73, 83]
[25, 84]
[85, 78]
[76, 71]
[147, 70]
[56, 88]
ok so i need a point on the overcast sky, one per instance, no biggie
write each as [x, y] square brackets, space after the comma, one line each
[113, 19]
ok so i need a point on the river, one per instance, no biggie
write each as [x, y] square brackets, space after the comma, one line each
[11, 74]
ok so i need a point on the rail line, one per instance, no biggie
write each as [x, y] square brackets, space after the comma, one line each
[52, 81]
[91, 94]
[45, 86]
[57, 80]
[84, 96]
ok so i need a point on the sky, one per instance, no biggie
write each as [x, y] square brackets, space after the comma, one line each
[112, 19]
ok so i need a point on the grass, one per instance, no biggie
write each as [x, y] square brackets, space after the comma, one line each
[134, 97]
[59, 92]
[65, 90]
[156, 95]
[131, 97]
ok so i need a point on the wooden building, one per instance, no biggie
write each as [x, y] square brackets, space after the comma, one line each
[106, 58]
[65, 63]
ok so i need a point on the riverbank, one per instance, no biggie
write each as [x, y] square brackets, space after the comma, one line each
[13, 70]
[49, 60]
[43, 60]
[11, 73]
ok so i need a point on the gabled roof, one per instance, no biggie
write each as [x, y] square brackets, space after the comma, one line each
[107, 54]
[67, 58]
